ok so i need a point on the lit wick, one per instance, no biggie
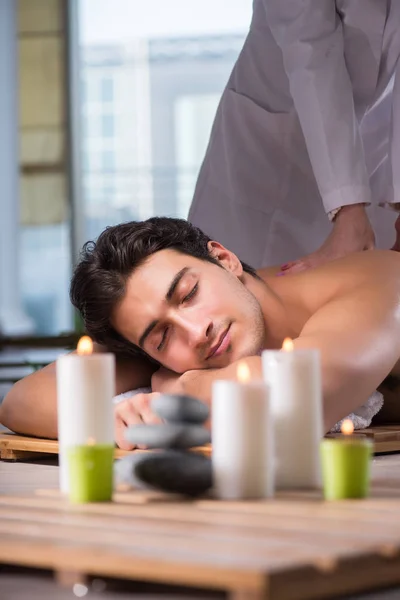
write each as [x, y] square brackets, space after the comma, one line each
[347, 427]
[287, 345]
[243, 373]
[85, 346]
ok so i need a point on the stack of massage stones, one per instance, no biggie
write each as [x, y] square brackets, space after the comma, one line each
[172, 467]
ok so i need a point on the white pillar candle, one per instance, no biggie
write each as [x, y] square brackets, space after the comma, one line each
[241, 439]
[85, 389]
[294, 378]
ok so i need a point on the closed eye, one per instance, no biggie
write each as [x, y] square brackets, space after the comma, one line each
[187, 298]
[163, 340]
[191, 294]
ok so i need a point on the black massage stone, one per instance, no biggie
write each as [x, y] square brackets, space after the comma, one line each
[171, 471]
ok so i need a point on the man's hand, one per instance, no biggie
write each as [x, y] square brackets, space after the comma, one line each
[352, 232]
[133, 411]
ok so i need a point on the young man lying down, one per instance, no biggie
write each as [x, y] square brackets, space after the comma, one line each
[160, 292]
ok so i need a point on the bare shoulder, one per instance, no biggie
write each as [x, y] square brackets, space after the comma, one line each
[366, 277]
[375, 274]
[361, 292]
[371, 263]
[375, 269]
[359, 264]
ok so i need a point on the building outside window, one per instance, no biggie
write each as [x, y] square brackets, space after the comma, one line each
[153, 74]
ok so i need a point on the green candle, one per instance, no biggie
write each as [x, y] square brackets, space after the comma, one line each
[90, 473]
[346, 469]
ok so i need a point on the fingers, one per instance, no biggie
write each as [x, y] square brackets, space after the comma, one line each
[396, 245]
[125, 415]
[294, 267]
[133, 411]
[288, 265]
[142, 406]
[119, 434]
[300, 266]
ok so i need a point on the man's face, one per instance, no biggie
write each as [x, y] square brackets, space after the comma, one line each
[190, 314]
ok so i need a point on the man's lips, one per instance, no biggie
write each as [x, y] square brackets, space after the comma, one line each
[222, 344]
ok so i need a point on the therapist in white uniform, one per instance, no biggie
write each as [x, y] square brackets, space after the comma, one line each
[305, 146]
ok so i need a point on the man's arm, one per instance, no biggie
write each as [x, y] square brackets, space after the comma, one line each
[199, 382]
[30, 407]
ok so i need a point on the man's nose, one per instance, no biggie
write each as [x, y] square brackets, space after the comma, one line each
[199, 331]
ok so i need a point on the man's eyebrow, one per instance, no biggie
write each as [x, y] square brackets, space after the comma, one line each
[146, 333]
[175, 283]
[168, 296]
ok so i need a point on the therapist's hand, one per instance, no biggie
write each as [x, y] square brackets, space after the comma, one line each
[396, 245]
[352, 232]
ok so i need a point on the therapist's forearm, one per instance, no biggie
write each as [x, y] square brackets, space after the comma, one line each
[313, 52]
[394, 177]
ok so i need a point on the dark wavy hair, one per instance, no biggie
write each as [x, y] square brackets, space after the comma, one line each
[99, 280]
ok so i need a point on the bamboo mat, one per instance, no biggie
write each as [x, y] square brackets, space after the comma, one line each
[16, 447]
[295, 547]
[19, 447]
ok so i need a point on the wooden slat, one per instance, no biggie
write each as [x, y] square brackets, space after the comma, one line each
[302, 529]
[355, 575]
[216, 557]
[106, 562]
[386, 439]
[269, 542]
[14, 447]
[7, 454]
[295, 546]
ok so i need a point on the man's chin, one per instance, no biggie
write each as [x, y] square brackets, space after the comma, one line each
[255, 351]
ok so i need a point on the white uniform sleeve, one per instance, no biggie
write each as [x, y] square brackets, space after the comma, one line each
[394, 190]
[309, 33]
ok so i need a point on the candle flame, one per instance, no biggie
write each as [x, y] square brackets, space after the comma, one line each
[91, 441]
[287, 345]
[85, 345]
[347, 427]
[243, 372]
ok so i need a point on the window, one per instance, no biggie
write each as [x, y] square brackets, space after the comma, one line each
[107, 126]
[192, 117]
[108, 160]
[45, 276]
[155, 71]
[107, 89]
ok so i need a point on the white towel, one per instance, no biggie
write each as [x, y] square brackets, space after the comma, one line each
[361, 418]
[120, 397]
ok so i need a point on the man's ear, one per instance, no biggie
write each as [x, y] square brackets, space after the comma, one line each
[225, 257]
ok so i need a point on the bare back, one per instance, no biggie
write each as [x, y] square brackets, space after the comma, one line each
[350, 310]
